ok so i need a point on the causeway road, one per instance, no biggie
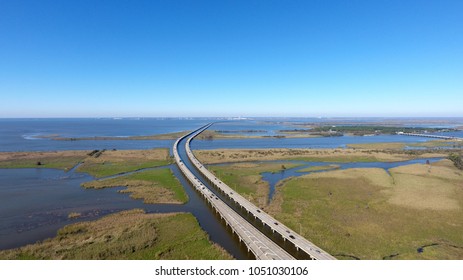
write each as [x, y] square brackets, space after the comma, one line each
[262, 247]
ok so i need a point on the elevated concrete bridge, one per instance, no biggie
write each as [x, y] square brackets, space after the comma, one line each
[431, 136]
[262, 247]
[280, 233]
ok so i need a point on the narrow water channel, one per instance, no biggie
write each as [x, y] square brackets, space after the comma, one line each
[274, 177]
[216, 230]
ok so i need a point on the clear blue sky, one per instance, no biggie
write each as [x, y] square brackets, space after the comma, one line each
[231, 58]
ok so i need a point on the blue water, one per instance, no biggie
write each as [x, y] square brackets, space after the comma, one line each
[24, 134]
[451, 133]
[35, 203]
[260, 128]
[87, 127]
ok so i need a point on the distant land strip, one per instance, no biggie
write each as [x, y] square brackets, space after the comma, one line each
[207, 135]
[319, 131]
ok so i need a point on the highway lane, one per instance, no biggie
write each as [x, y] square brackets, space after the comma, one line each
[431, 136]
[288, 236]
[257, 243]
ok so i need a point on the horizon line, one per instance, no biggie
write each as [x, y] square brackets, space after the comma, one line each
[236, 117]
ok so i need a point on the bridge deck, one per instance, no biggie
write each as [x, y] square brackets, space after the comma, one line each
[260, 245]
[299, 242]
[431, 136]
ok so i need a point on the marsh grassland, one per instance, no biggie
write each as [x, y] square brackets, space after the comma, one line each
[61, 159]
[246, 179]
[327, 155]
[370, 214]
[319, 168]
[109, 163]
[126, 235]
[409, 212]
[153, 186]
[207, 134]
[399, 145]
[98, 163]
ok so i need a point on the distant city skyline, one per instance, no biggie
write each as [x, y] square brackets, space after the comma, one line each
[231, 58]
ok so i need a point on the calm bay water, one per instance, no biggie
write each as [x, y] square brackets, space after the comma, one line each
[452, 133]
[25, 134]
[35, 203]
